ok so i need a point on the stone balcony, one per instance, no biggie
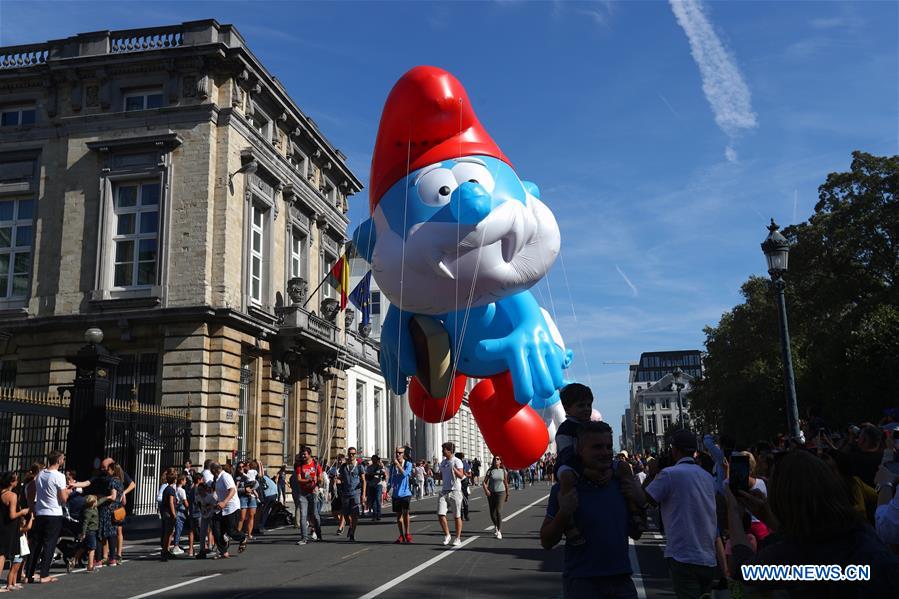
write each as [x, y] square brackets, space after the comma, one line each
[307, 345]
[98, 43]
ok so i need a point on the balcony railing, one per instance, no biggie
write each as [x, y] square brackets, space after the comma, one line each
[13, 57]
[136, 40]
[120, 42]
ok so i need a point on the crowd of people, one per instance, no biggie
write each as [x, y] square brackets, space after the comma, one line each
[828, 500]
[204, 512]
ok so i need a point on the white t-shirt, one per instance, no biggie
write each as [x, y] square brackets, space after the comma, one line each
[686, 495]
[641, 476]
[160, 491]
[451, 482]
[224, 482]
[208, 477]
[419, 473]
[46, 500]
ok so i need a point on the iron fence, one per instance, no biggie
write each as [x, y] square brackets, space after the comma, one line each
[143, 438]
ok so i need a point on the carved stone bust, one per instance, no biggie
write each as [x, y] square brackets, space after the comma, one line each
[348, 316]
[365, 329]
[330, 308]
[297, 288]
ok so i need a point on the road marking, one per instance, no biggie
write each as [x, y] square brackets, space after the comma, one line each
[530, 505]
[637, 576]
[389, 585]
[354, 553]
[174, 586]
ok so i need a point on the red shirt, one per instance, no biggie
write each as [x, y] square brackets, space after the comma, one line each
[308, 475]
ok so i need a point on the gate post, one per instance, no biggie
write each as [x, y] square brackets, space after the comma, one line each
[94, 367]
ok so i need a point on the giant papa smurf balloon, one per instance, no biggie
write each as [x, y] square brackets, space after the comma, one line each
[455, 240]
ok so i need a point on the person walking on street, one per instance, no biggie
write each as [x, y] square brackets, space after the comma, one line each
[451, 494]
[375, 473]
[51, 493]
[351, 488]
[601, 566]
[10, 527]
[227, 512]
[496, 488]
[307, 474]
[401, 493]
[685, 493]
[418, 474]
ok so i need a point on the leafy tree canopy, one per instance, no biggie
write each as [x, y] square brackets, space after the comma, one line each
[843, 307]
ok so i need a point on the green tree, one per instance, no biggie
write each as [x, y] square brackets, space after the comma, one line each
[843, 306]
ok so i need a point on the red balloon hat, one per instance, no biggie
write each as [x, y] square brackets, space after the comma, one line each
[427, 118]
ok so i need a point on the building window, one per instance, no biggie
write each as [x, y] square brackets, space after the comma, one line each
[650, 404]
[261, 123]
[243, 406]
[143, 99]
[257, 253]
[666, 422]
[327, 264]
[360, 417]
[16, 230]
[379, 446]
[14, 116]
[651, 424]
[136, 233]
[136, 373]
[665, 403]
[297, 241]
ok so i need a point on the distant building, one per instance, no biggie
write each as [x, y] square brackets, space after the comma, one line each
[652, 407]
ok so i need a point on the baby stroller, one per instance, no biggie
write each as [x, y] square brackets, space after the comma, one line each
[279, 516]
[69, 541]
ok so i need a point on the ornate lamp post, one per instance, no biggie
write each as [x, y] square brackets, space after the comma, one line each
[678, 384]
[777, 252]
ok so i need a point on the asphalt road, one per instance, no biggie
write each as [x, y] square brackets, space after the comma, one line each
[273, 567]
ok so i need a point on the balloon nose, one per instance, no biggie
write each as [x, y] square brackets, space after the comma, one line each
[471, 203]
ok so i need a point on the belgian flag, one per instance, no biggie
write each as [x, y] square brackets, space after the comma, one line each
[339, 278]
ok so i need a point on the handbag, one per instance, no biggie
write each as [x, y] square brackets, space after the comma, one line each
[23, 546]
[118, 514]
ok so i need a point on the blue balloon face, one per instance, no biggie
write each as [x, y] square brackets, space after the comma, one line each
[462, 190]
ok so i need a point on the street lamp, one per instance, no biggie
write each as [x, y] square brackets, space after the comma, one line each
[678, 376]
[247, 168]
[777, 252]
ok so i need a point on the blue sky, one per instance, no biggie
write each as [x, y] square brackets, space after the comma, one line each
[662, 137]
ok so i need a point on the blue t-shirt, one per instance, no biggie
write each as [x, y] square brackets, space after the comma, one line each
[399, 481]
[602, 518]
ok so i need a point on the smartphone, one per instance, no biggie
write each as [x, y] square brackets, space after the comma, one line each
[739, 473]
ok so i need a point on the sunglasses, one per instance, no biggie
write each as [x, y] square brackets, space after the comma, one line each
[351, 454]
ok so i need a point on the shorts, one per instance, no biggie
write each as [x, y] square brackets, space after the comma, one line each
[447, 497]
[350, 504]
[90, 541]
[400, 504]
[248, 502]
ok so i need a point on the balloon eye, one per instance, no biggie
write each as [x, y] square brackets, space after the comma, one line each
[472, 180]
[444, 191]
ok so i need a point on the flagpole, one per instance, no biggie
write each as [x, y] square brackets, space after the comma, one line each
[309, 297]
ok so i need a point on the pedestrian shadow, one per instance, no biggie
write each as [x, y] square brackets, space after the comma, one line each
[549, 561]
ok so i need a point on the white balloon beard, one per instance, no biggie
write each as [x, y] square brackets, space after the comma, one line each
[446, 267]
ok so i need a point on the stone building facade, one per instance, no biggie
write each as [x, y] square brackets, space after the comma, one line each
[160, 184]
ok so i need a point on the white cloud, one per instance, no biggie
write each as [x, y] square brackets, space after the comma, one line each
[730, 153]
[722, 83]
